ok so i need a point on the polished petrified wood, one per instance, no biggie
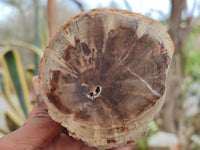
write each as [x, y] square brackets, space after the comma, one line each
[103, 75]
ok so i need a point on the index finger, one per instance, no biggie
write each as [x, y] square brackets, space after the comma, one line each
[130, 147]
[35, 108]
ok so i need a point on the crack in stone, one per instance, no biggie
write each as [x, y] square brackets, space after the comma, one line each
[139, 77]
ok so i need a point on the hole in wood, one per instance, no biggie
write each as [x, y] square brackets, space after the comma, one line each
[94, 93]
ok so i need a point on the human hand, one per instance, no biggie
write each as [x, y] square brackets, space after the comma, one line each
[40, 132]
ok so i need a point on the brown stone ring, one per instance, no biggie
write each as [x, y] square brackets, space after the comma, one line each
[103, 75]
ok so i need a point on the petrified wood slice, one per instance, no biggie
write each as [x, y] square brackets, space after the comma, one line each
[103, 75]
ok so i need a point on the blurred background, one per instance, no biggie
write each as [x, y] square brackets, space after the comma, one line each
[24, 35]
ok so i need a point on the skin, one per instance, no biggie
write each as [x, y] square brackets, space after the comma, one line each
[40, 132]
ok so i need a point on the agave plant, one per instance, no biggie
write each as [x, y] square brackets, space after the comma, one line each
[12, 76]
[13, 82]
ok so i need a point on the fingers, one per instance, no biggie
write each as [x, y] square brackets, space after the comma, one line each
[35, 108]
[132, 145]
[32, 114]
[41, 104]
[39, 101]
[36, 85]
[42, 115]
[129, 147]
[40, 128]
[64, 141]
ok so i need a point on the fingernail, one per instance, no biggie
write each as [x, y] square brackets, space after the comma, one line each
[36, 85]
[40, 102]
[39, 99]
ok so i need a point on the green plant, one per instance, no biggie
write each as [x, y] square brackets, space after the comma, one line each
[196, 139]
[13, 82]
[192, 66]
[142, 143]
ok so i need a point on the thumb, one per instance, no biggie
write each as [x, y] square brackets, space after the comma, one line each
[38, 131]
[41, 128]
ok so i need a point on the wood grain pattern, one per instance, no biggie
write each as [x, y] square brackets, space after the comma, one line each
[103, 75]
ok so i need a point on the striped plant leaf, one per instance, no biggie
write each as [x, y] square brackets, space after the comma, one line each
[24, 45]
[5, 91]
[3, 132]
[12, 65]
[29, 72]
[12, 120]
